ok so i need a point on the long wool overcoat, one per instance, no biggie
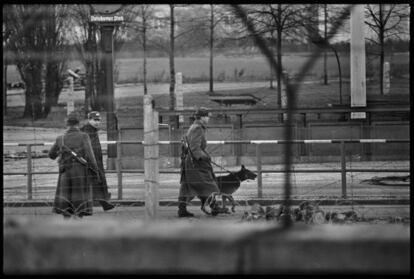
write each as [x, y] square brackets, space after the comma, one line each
[74, 191]
[197, 176]
[100, 186]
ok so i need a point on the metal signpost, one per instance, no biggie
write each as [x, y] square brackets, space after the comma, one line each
[105, 17]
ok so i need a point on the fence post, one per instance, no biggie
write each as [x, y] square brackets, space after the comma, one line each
[343, 169]
[29, 172]
[151, 153]
[118, 167]
[259, 171]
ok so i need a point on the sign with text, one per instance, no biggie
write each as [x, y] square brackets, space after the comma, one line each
[106, 18]
[358, 115]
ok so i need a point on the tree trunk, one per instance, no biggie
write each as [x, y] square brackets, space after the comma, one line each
[279, 67]
[279, 56]
[271, 50]
[33, 106]
[4, 87]
[172, 67]
[211, 47]
[52, 87]
[381, 41]
[340, 75]
[144, 43]
[325, 51]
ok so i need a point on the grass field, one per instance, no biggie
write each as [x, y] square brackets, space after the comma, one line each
[246, 68]
[129, 108]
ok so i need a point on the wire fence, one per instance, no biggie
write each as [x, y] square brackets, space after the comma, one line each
[36, 178]
[286, 182]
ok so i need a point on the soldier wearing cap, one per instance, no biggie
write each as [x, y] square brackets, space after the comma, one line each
[100, 186]
[197, 176]
[74, 192]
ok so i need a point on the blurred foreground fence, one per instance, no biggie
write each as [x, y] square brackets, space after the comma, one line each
[258, 144]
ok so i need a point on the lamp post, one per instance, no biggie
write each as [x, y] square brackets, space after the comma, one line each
[105, 16]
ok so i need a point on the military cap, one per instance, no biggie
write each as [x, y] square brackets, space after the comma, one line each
[94, 115]
[202, 112]
[73, 118]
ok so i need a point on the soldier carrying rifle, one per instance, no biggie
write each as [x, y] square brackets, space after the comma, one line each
[74, 195]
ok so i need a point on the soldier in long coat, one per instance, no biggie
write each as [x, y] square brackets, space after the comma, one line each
[74, 195]
[100, 187]
[197, 176]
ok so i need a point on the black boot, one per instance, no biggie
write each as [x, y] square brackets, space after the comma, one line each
[106, 205]
[216, 209]
[182, 208]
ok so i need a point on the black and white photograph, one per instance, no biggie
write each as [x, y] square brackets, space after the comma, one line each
[206, 139]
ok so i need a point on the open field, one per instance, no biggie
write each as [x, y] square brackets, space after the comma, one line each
[245, 68]
[128, 98]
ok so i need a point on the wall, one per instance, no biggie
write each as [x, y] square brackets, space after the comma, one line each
[181, 247]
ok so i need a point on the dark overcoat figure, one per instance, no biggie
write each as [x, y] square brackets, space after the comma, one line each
[100, 186]
[197, 176]
[74, 192]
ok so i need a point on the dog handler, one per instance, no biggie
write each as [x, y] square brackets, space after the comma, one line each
[197, 176]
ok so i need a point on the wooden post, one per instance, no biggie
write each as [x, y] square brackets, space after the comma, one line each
[70, 105]
[259, 171]
[343, 169]
[179, 100]
[29, 172]
[151, 154]
[118, 167]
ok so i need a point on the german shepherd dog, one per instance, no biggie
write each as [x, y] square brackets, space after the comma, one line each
[228, 184]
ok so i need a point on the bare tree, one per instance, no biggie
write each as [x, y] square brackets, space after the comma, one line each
[279, 19]
[141, 25]
[85, 40]
[55, 47]
[386, 22]
[7, 32]
[33, 31]
[310, 29]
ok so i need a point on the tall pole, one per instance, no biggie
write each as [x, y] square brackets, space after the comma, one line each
[4, 88]
[325, 51]
[358, 74]
[111, 121]
[70, 105]
[211, 45]
[151, 154]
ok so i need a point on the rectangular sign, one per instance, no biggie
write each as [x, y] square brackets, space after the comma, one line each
[105, 18]
[358, 115]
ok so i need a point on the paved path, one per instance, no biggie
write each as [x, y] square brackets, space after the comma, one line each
[372, 214]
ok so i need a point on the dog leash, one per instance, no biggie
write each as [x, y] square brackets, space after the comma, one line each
[221, 167]
[225, 170]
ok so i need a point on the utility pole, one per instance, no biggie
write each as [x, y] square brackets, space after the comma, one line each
[358, 74]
